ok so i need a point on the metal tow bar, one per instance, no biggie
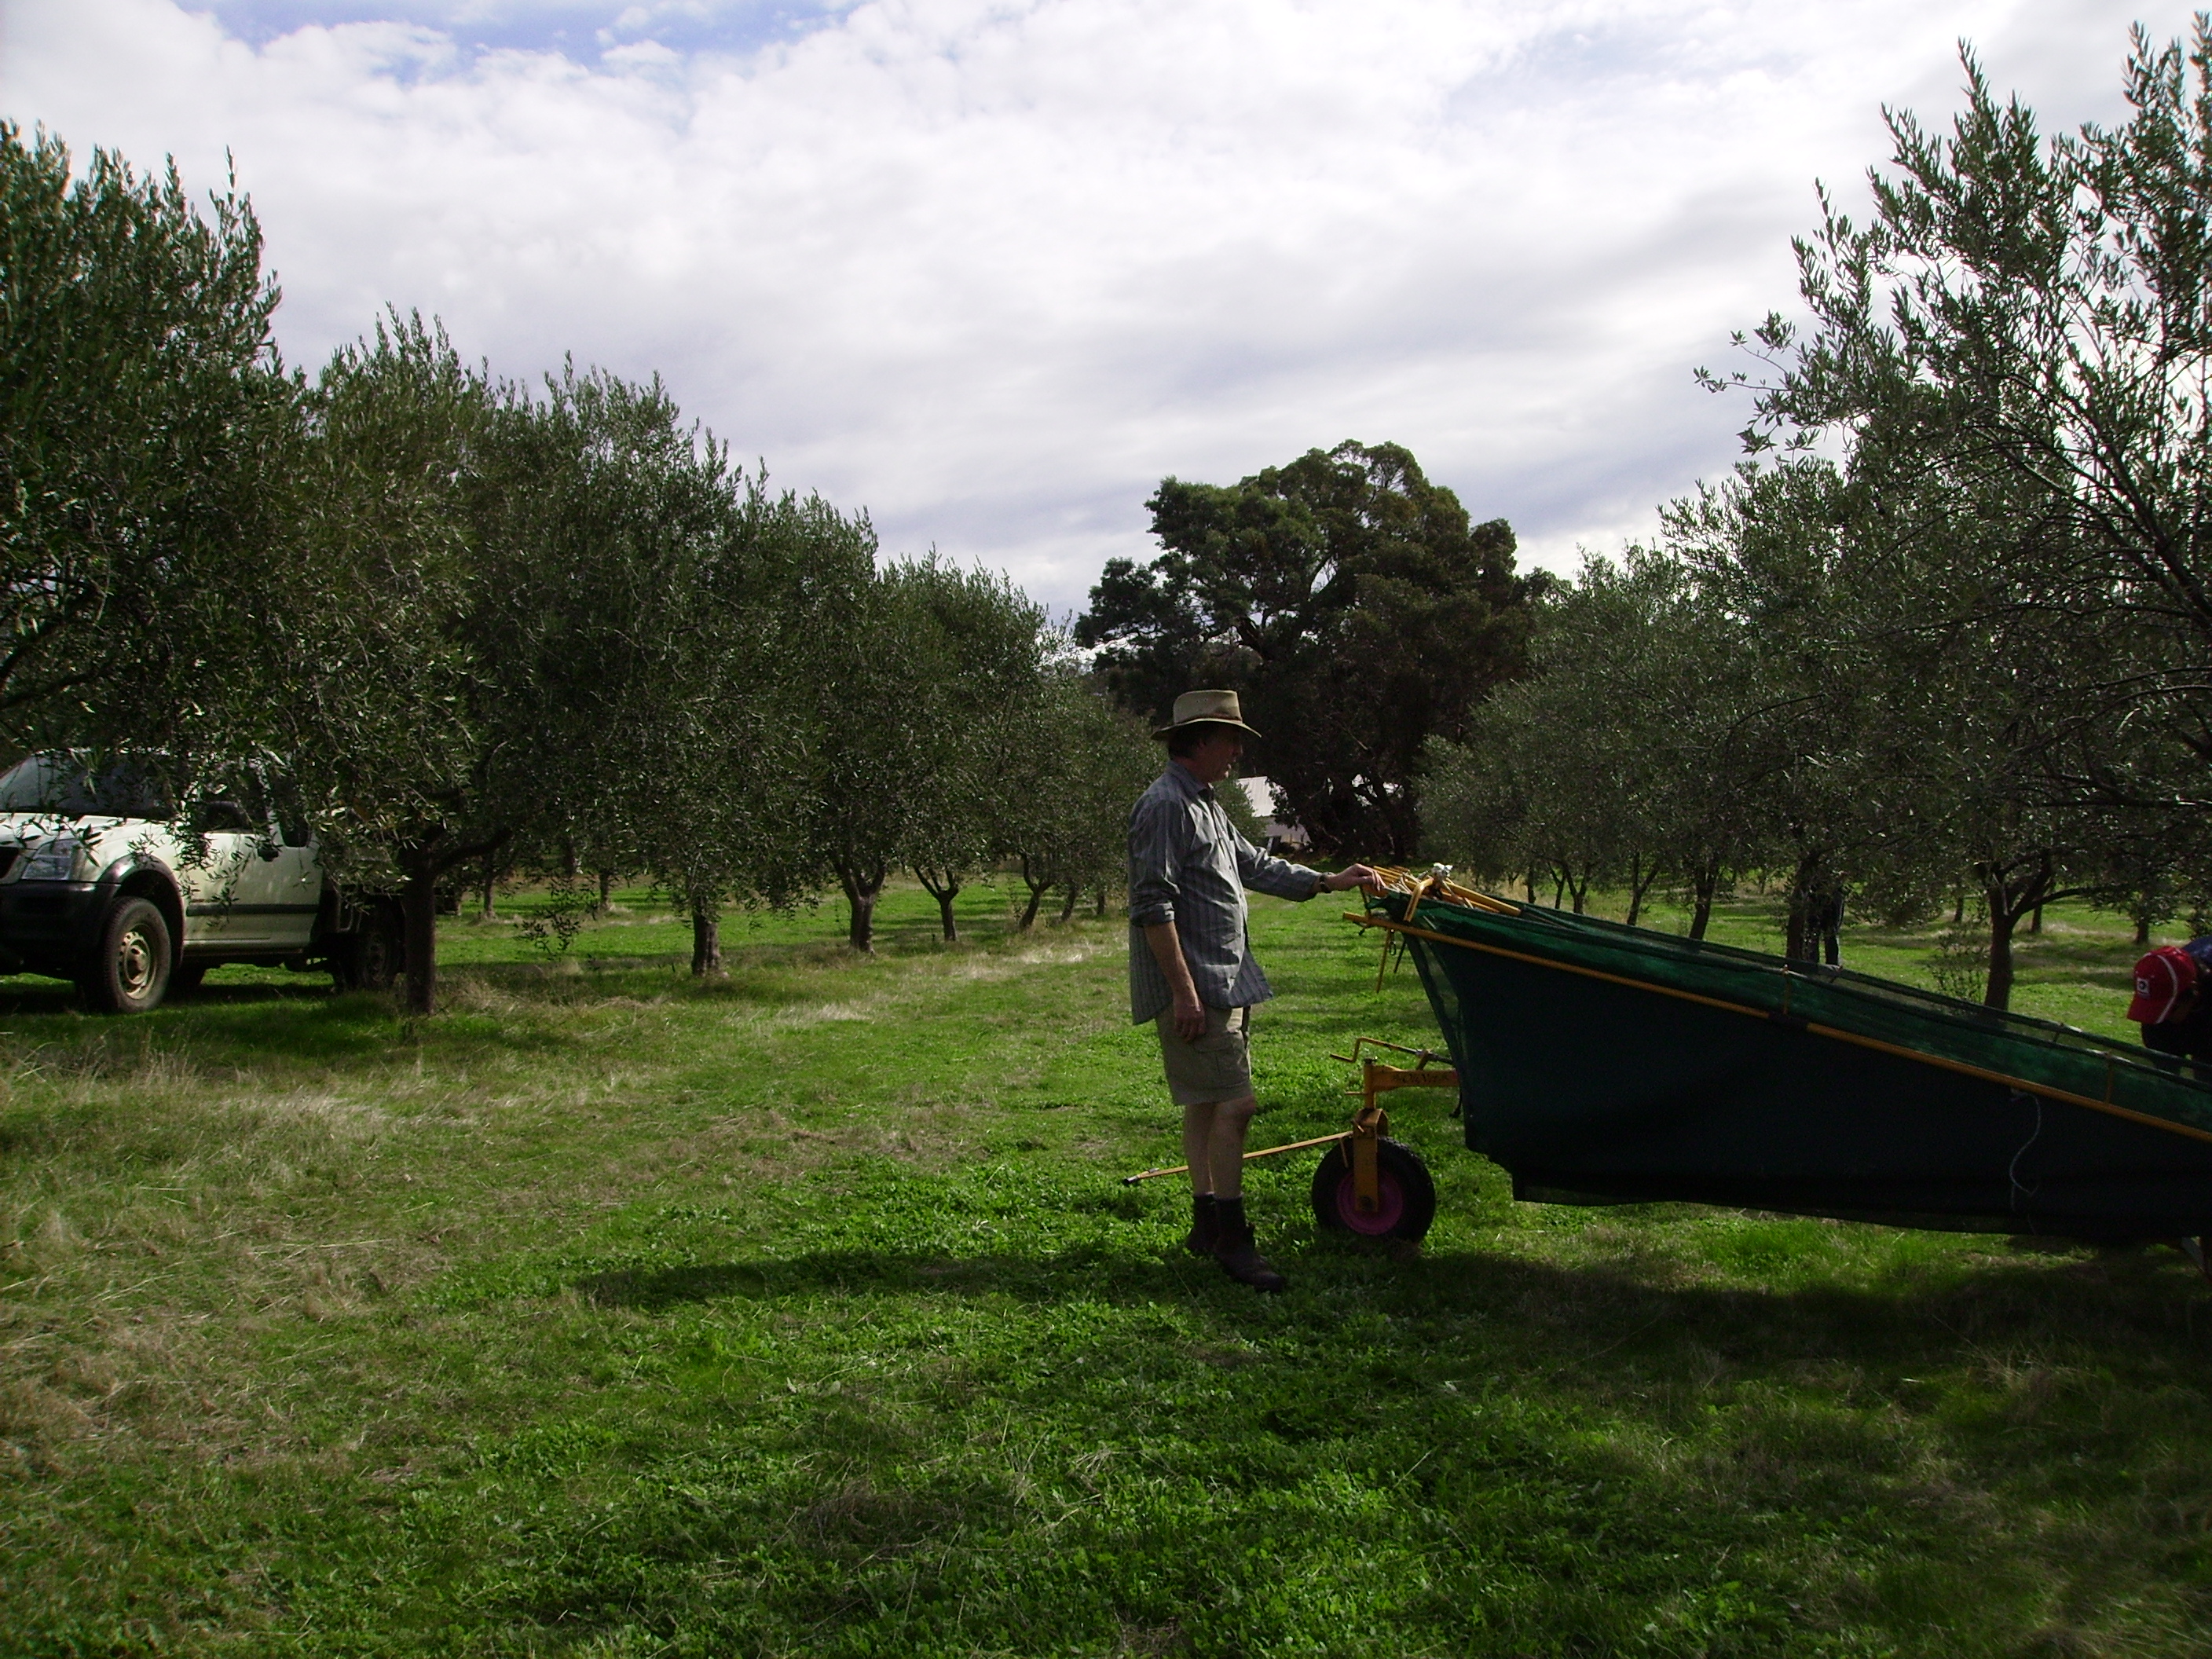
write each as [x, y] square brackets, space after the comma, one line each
[1368, 1124]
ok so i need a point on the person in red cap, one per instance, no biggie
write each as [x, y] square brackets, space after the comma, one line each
[2171, 1001]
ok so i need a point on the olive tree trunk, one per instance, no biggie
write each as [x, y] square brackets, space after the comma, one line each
[1704, 883]
[863, 885]
[1038, 886]
[418, 910]
[706, 940]
[2014, 892]
[944, 887]
[1641, 877]
[2003, 919]
[421, 866]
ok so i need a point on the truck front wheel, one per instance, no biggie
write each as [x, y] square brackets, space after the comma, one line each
[130, 973]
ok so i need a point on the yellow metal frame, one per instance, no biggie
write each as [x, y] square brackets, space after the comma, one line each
[1368, 1124]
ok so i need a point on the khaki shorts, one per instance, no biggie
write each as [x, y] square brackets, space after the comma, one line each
[1217, 1067]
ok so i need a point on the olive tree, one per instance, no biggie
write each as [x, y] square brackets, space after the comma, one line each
[646, 593]
[1078, 765]
[1611, 763]
[903, 674]
[450, 669]
[995, 647]
[146, 427]
[2025, 319]
[719, 766]
[2011, 356]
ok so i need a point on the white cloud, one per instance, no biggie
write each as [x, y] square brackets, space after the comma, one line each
[991, 268]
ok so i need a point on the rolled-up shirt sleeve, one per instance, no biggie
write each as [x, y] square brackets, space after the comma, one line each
[1154, 862]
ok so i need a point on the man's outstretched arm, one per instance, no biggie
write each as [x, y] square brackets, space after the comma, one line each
[1263, 873]
[1353, 875]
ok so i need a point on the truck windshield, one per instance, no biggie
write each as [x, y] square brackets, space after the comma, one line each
[61, 787]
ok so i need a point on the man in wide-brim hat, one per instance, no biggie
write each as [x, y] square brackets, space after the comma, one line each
[1191, 968]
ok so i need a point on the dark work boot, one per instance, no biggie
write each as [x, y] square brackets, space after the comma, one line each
[1199, 1241]
[1237, 1250]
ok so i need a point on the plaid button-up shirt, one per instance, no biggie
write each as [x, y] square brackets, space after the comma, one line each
[1188, 866]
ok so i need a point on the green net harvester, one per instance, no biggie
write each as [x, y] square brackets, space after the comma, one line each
[1603, 1064]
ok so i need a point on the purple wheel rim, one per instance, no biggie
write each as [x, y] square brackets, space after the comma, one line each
[1389, 1208]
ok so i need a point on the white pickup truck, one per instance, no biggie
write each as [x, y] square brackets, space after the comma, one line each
[100, 882]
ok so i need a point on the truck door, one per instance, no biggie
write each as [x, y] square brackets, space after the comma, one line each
[224, 887]
[296, 875]
[253, 892]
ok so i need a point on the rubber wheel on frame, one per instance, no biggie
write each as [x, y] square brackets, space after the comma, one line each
[1408, 1196]
[130, 972]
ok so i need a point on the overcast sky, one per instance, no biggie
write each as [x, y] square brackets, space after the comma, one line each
[991, 268]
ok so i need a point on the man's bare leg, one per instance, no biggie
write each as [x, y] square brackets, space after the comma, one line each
[1198, 1147]
[1224, 1144]
[1213, 1136]
[1197, 1142]
[1233, 1245]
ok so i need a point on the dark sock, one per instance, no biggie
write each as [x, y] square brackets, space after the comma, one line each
[1202, 1206]
[1229, 1217]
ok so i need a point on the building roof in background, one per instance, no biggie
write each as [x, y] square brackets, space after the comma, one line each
[1258, 792]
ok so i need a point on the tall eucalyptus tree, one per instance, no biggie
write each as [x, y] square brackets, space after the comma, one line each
[1352, 602]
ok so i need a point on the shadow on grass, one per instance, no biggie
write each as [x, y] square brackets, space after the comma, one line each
[300, 1022]
[1085, 1274]
[746, 964]
[29, 994]
[2145, 1302]
[256, 1029]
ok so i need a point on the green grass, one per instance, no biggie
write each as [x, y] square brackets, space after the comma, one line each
[606, 1313]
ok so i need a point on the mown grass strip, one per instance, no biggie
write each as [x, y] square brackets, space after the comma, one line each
[613, 1314]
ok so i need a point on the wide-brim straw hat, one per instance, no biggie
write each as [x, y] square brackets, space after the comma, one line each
[1205, 708]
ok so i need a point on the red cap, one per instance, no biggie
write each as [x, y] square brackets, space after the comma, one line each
[2160, 978]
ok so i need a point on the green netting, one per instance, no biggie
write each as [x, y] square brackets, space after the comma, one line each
[1604, 1064]
[2035, 1052]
